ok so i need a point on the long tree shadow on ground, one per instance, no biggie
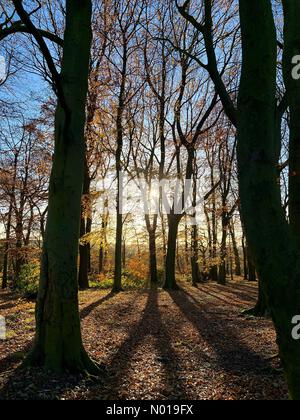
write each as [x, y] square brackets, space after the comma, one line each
[150, 325]
[46, 386]
[242, 364]
[230, 296]
[35, 378]
[10, 361]
[157, 330]
[89, 309]
[230, 351]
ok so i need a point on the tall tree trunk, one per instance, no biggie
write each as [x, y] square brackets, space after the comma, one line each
[164, 237]
[179, 260]
[124, 254]
[6, 248]
[151, 228]
[103, 244]
[222, 266]
[237, 258]
[186, 247]
[153, 259]
[9, 223]
[214, 268]
[58, 343]
[196, 274]
[5, 264]
[170, 274]
[101, 259]
[269, 236]
[20, 258]
[117, 286]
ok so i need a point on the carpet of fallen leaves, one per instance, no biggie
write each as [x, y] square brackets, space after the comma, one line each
[188, 344]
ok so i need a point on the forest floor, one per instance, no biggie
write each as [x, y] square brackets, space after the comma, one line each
[188, 344]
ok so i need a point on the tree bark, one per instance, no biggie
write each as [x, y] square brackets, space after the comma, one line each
[261, 308]
[251, 267]
[277, 258]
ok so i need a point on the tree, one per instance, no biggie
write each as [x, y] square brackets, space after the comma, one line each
[58, 343]
[237, 258]
[97, 81]
[157, 66]
[25, 164]
[123, 45]
[270, 238]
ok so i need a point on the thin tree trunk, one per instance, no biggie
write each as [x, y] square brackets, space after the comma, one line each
[153, 259]
[170, 274]
[151, 228]
[85, 228]
[103, 244]
[164, 237]
[101, 260]
[6, 249]
[124, 254]
[20, 259]
[196, 274]
[117, 286]
[237, 258]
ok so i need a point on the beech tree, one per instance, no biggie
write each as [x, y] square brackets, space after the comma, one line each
[58, 343]
[258, 118]
[271, 239]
